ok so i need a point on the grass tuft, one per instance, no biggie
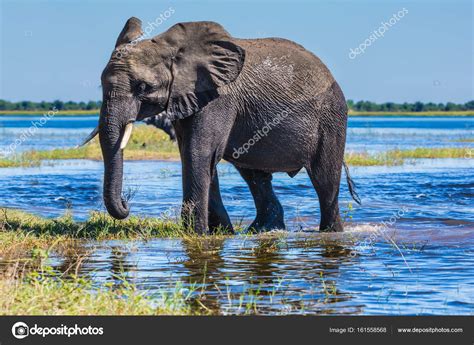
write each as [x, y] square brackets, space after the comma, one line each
[365, 159]
[54, 295]
[397, 157]
[22, 233]
[436, 152]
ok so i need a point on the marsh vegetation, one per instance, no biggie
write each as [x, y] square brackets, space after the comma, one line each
[148, 143]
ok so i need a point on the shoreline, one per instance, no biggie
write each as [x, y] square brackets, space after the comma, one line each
[351, 113]
[412, 113]
[393, 157]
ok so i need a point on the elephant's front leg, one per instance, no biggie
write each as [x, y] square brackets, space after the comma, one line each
[196, 184]
[218, 217]
[201, 140]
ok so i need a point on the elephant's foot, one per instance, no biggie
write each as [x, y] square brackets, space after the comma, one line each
[331, 226]
[219, 222]
[258, 226]
[220, 228]
[267, 223]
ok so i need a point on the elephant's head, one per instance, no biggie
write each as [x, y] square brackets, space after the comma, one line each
[178, 72]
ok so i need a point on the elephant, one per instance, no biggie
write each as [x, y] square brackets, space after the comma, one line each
[162, 122]
[264, 105]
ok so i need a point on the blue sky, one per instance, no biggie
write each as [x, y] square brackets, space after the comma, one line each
[57, 49]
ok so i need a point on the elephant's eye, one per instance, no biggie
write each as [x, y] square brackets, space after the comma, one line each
[142, 87]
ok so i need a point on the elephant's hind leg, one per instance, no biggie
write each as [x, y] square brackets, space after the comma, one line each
[269, 209]
[325, 174]
[218, 217]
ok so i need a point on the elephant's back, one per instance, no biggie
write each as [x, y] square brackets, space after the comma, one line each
[285, 96]
[286, 64]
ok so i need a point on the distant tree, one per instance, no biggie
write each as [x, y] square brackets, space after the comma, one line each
[3, 104]
[418, 106]
[450, 106]
[469, 105]
[59, 105]
[350, 104]
[91, 105]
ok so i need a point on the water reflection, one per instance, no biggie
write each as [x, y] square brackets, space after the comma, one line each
[267, 274]
[284, 273]
[73, 260]
[204, 263]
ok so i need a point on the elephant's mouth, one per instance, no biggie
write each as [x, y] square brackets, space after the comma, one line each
[152, 109]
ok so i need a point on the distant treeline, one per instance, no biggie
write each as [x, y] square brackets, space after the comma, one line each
[416, 107]
[356, 106]
[40, 106]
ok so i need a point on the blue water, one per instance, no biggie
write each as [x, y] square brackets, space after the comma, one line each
[364, 134]
[421, 262]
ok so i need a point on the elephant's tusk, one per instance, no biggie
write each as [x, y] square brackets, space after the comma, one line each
[90, 136]
[126, 135]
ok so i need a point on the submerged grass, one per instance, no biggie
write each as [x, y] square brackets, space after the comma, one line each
[432, 152]
[18, 162]
[146, 143]
[365, 159]
[397, 157]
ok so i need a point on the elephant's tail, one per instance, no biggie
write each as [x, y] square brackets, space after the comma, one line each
[351, 184]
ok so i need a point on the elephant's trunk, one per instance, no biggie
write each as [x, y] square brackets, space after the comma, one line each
[110, 135]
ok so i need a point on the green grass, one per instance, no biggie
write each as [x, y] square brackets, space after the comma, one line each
[146, 143]
[98, 226]
[397, 157]
[21, 232]
[17, 162]
[364, 159]
[44, 292]
[421, 152]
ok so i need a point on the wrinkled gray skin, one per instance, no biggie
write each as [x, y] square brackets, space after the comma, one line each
[164, 123]
[219, 91]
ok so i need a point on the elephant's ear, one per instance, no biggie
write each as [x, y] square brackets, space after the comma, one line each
[203, 59]
[131, 31]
